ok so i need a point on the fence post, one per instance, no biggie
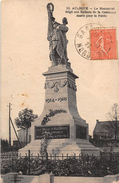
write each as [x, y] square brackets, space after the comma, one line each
[29, 161]
[11, 160]
[100, 155]
[47, 160]
[79, 156]
[111, 157]
[74, 155]
[62, 156]
[50, 156]
[42, 157]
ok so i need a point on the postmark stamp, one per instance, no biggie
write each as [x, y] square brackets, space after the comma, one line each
[82, 40]
[103, 44]
[93, 42]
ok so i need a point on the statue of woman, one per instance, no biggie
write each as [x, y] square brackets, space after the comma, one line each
[57, 38]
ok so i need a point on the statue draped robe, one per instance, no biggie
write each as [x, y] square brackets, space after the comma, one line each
[57, 41]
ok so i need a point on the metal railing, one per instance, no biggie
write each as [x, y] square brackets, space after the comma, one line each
[15, 154]
[9, 155]
[11, 159]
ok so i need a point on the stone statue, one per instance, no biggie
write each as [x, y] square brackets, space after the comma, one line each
[57, 38]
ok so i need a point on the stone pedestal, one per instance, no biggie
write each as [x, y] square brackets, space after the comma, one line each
[60, 117]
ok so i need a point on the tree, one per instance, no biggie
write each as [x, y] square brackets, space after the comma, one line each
[113, 117]
[24, 119]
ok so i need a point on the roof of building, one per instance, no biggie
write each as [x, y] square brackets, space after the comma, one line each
[102, 127]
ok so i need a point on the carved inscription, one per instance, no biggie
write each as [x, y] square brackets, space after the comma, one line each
[56, 132]
[56, 99]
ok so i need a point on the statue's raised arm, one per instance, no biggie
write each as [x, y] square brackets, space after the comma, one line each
[57, 38]
[50, 9]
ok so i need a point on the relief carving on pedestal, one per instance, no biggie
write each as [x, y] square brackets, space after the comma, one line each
[60, 84]
[56, 85]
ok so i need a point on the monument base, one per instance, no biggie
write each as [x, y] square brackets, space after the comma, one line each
[62, 147]
[68, 132]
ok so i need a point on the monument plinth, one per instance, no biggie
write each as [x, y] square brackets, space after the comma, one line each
[67, 132]
[60, 117]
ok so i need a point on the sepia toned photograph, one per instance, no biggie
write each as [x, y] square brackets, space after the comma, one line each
[59, 91]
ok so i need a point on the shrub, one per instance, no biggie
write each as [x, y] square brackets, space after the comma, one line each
[86, 166]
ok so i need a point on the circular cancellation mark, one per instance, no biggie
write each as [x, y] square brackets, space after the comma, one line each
[82, 40]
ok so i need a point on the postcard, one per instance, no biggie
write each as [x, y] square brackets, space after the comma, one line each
[61, 60]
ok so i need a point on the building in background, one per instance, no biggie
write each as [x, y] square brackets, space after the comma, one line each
[102, 135]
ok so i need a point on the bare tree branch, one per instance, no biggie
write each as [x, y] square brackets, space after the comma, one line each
[113, 124]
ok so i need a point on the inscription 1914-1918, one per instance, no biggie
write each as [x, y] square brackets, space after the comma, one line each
[56, 99]
[55, 132]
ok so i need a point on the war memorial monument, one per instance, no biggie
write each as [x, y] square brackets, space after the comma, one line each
[60, 123]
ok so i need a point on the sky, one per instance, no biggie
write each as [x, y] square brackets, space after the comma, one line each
[25, 56]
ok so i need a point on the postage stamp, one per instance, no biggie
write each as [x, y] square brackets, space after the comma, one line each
[103, 44]
[93, 42]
